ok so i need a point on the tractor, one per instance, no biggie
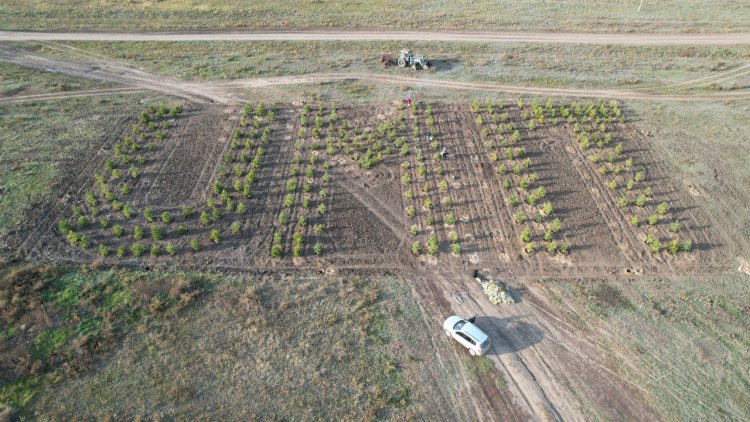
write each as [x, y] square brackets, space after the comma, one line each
[406, 58]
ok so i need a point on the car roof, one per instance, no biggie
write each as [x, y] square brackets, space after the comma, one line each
[474, 331]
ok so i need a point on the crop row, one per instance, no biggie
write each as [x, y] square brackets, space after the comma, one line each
[506, 143]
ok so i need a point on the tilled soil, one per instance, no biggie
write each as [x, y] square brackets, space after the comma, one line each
[551, 373]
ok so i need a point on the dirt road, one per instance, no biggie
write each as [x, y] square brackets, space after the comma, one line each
[98, 68]
[523, 37]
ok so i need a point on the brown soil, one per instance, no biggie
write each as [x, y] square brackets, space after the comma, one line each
[552, 370]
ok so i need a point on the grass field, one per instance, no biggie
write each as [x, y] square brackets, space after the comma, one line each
[526, 64]
[230, 347]
[481, 15]
[683, 341]
[37, 138]
[18, 80]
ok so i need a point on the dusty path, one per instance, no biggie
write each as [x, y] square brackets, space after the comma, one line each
[230, 92]
[524, 37]
[69, 94]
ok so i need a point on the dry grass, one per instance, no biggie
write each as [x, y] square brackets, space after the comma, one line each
[272, 347]
[685, 342]
[488, 15]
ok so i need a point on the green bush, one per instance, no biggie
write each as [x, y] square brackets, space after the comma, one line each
[432, 245]
[155, 251]
[513, 200]
[195, 245]
[453, 237]
[551, 247]
[563, 248]
[171, 250]
[556, 226]
[120, 251]
[416, 249]
[205, 218]
[181, 229]
[103, 250]
[652, 219]
[634, 220]
[83, 221]
[136, 249]
[686, 246]
[547, 208]
[283, 218]
[662, 208]
[414, 230]
[450, 219]
[234, 228]
[525, 234]
[673, 246]
[519, 217]
[455, 249]
[138, 233]
[675, 226]
[322, 209]
[317, 248]
[214, 236]
[318, 228]
[148, 214]
[528, 247]
[166, 217]
[155, 233]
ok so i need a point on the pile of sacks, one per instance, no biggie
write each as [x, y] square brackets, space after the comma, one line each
[496, 292]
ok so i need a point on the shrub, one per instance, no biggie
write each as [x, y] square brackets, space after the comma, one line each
[103, 223]
[531, 199]
[629, 185]
[409, 194]
[155, 251]
[205, 218]
[662, 208]
[551, 247]
[186, 212]
[638, 176]
[148, 214]
[523, 184]
[171, 250]
[563, 248]
[214, 236]
[519, 217]
[612, 185]
[155, 233]
[673, 246]
[166, 217]
[455, 249]
[317, 248]
[117, 230]
[413, 230]
[634, 220]
[432, 245]
[322, 209]
[686, 246]
[181, 229]
[416, 249]
[525, 234]
[283, 218]
[427, 204]
[447, 201]
[603, 170]
[318, 228]
[306, 202]
[648, 192]
[195, 245]
[411, 211]
[324, 193]
[234, 228]
[83, 221]
[556, 226]
[547, 208]
[136, 249]
[429, 221]
[622, 201]
[73, 237]
[513, 200]
[506, 183]
[120, 251]
[450, 219]
[528, 247]
[103, 250]
[674, 226]
[443, 186]
[652, 219]
[138, 233]
[641, 200]
[302, 221]
[277, 237]
[653, 244]
[453, 237]
[288, 200]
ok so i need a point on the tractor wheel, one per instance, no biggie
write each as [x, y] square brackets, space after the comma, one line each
[401, 62]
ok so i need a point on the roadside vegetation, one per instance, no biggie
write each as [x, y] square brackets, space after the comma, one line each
[480, 15]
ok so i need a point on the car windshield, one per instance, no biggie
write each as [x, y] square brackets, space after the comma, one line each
[459, 324]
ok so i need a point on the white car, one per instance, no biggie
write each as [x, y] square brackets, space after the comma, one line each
[469, 335]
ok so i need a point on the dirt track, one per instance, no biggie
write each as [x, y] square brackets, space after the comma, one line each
[229, 92]
[525, 37]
